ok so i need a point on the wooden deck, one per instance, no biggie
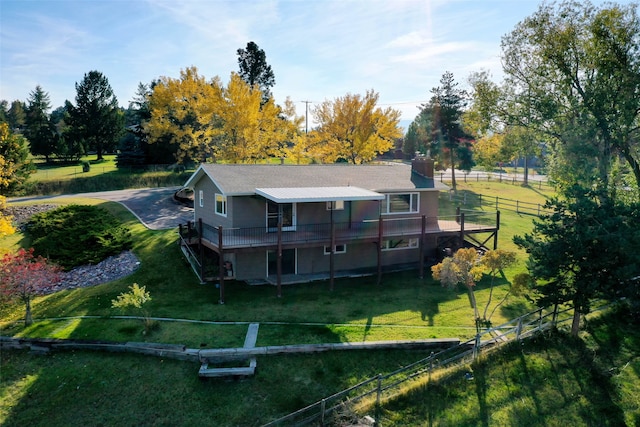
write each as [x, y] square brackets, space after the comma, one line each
[217, 238]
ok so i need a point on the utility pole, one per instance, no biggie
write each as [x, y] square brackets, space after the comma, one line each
[306, 116]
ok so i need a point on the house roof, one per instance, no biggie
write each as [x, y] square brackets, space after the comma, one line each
[317, 194]
[236, 180]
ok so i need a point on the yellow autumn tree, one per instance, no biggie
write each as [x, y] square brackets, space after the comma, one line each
[6, 228]
[352, 128]
[186, 111]
[212, 122]
[251, 129]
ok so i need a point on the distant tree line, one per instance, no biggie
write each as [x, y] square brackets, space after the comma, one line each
[190, 119]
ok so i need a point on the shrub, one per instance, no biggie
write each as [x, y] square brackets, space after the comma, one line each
[75, 235]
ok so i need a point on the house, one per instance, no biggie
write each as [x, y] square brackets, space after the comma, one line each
[293, 223]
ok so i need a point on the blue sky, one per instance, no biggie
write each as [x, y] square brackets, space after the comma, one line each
[318, 49]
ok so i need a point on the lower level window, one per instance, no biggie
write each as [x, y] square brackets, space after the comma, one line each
[397, 244]
[338, 249]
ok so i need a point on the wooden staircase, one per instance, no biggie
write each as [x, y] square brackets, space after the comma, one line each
[242, 371]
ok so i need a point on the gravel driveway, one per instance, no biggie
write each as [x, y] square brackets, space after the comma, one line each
[154, 207]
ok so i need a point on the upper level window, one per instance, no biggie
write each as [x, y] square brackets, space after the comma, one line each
[201, 198]
[337, 205]
[401, 203]
[221, 204]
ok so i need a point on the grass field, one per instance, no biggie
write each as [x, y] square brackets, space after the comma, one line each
[79, 388]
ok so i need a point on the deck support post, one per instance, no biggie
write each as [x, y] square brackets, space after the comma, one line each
[379, 243]
[462, 230]
[221, 264]
[421, 260]
[332, 242]
[279, 258]
[201, 247]
[495, 235]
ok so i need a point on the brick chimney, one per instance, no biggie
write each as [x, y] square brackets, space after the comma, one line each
[423, 165]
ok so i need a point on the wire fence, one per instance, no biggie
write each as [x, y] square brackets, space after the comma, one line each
[352, 405]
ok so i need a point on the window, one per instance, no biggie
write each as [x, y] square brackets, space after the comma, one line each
[401, 203]
[338, 205]
[338, 249]
[201, 198]
[221, 204]
[397, 244]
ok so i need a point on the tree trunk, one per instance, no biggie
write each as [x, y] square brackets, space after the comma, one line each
[526, 171]
[453, 169]
[28, 319]
[575, 325]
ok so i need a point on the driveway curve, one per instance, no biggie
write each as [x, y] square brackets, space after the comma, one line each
[155, 208]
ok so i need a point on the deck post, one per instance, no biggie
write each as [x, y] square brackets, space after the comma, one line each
[221, 263]
[458, 214]
[332, 242]
[201, 247]
[380, 233]
[421, 264]
[462, 230]
[279, 258]
[495, 235]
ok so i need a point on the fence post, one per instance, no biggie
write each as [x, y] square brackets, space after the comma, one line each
[322, 409]
[476, 346]
[378, 398]
[464, 198]
[519, 328]
[540, 320]
[497, 202]
[517, 206]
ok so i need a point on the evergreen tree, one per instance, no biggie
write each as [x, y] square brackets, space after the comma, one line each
[255, 71]
[96, 120]
[445, 110]
[39, 129]
[14, 166]
[16, 116]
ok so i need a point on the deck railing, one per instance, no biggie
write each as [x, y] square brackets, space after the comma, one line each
[343, 231]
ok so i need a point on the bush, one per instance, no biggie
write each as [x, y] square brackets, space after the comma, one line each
[76, 235]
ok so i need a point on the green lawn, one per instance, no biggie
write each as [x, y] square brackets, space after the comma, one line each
[55, 172]
[137, 390]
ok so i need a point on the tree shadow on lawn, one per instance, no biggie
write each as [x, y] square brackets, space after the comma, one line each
[540, 381]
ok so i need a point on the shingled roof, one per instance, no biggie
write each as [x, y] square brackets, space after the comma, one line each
[236, 180]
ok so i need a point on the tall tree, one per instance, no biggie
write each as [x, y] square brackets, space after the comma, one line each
[16, 115]
[251, 130]
[445, 109]
[351, 128]
[96, 118]
[4, 111]
[254, 69]
[15, 167]
[133, 145]
[573, 73]
[39, 129]
[185, 112]
[588, 247]
[209, 121]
